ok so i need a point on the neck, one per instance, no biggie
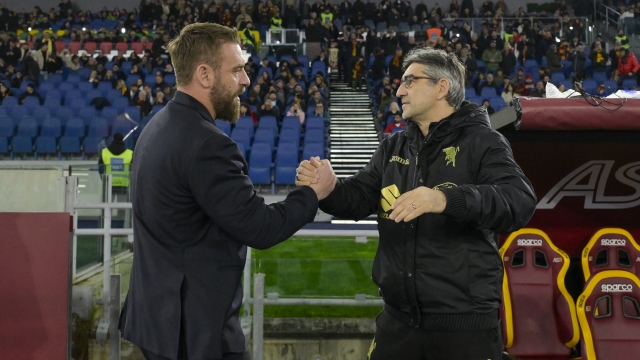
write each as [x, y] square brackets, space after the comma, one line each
[201, 96]
[434, 115]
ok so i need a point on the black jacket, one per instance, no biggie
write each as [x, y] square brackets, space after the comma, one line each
[441, 271]
[194, 214]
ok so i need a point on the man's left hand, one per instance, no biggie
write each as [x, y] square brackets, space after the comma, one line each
[417, 202]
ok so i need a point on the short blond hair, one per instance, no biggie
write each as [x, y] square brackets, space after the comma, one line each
[199, 43]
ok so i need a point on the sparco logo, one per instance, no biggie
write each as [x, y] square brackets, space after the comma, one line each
[617, 288]
[613, 242]
[590, 182]
[529, 242]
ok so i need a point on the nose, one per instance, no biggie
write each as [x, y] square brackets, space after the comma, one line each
[402, 91]
[244, 79]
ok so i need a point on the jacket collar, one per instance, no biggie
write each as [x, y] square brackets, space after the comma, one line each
[468, 114]
[191, 102]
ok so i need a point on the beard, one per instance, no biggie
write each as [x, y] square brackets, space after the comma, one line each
[224, 103]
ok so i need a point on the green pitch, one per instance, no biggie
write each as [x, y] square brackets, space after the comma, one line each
[318, 267]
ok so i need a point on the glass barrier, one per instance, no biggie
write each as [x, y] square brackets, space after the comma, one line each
[283, 36]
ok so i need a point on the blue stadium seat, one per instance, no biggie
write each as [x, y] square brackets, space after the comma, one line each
[590, 86]
[51, 127]
[77, 104]
[312, 150]
[289, 135]
[497, 103]
[120, 104]
[265, 135]
[268, 122]
[74, 128]
[487, 92]
[64, 113]
[9, 103]
[18, 113]
[260, 164]
[65, 87]
[267, 70]
[55, 78]
[122, 125]
[170, 79]
[242, 136]
[556, 77]
[41, 112]
[6, 127]
[245, 122]
[134, 113]
[85, 86]
[109, 113]
[86, 114]
[45, 87]
[22, 145]
[92, 145]
[92, 94]
[69, 145]
[98, 127]
[629, 84]
[225, 126]
[131, 79]
[476, 100]
[53, 96]
[314, 122]
[104, 87]
[156, 108]
[599, 77]
[46, 145]
[242, 150]
[469, 92]
[113, 94]
[28, 126]
[84, 73]
[567, 84]
[72, 95]
[286, 163]
[73, 78]
[314, 136]
[291, 122]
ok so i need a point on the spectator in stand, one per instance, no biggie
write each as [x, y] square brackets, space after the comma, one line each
[5, 91]
[489, 83]
[627, 66]
[359, 71]
[578, 60]
[564, 50]
[268, 109]
[614, 55]
[470, 64]
[397, 123]
[245, 110]
[120, 85]
[525, 88]
[492, 57]
[509, 94]
[387, 100]
[132, 94]
[478, 81]
[553, 60]
[487, 105]
[30, 92]
[143, 103]
[322, 112]
[505, 84]
[160, 99]
[598, 57]
[296, 111]
[539, 90]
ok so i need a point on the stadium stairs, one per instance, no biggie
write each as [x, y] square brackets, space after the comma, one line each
[353, 137]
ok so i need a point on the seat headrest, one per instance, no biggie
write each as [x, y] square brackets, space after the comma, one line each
[611, 249]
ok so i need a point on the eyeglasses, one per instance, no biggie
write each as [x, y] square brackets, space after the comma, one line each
[408, 80]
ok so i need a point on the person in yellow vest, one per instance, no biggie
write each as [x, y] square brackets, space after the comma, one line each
[117, 159]
[326, 16]
[276, 27]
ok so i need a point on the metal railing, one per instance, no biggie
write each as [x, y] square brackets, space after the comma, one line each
[607, 14]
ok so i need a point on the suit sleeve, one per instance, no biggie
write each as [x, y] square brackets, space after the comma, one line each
[225, 193]
[502, 200]
[357, 197]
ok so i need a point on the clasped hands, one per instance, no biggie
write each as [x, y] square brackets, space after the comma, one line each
[318, 174]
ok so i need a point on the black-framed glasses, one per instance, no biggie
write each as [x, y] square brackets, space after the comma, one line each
[408, 80]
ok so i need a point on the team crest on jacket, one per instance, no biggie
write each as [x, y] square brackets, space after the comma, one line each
[389, 196]
[450, 155]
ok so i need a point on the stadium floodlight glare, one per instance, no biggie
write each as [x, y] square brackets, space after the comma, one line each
[29, 28]
[84, 29]
[123, 30]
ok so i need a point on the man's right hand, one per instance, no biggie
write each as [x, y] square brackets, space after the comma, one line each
[317, 174]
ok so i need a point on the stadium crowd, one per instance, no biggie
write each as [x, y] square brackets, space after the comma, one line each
[507, 53]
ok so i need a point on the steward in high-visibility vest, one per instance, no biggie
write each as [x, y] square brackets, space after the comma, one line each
[434, 33]
[326, 16]
[624, 41]
[276, 24]
[117, 160]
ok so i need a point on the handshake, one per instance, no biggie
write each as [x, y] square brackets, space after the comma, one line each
[318, 175]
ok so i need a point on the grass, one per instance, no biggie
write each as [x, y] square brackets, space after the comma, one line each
[318, 267]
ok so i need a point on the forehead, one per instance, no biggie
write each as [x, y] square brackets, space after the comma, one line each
[232, 56]
[415, 69]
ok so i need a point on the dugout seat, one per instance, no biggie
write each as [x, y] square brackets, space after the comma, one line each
[538, 313]
[611, 249]
[609, 316]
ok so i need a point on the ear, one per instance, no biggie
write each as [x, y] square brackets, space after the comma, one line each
[204, 76]
[443, 88]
